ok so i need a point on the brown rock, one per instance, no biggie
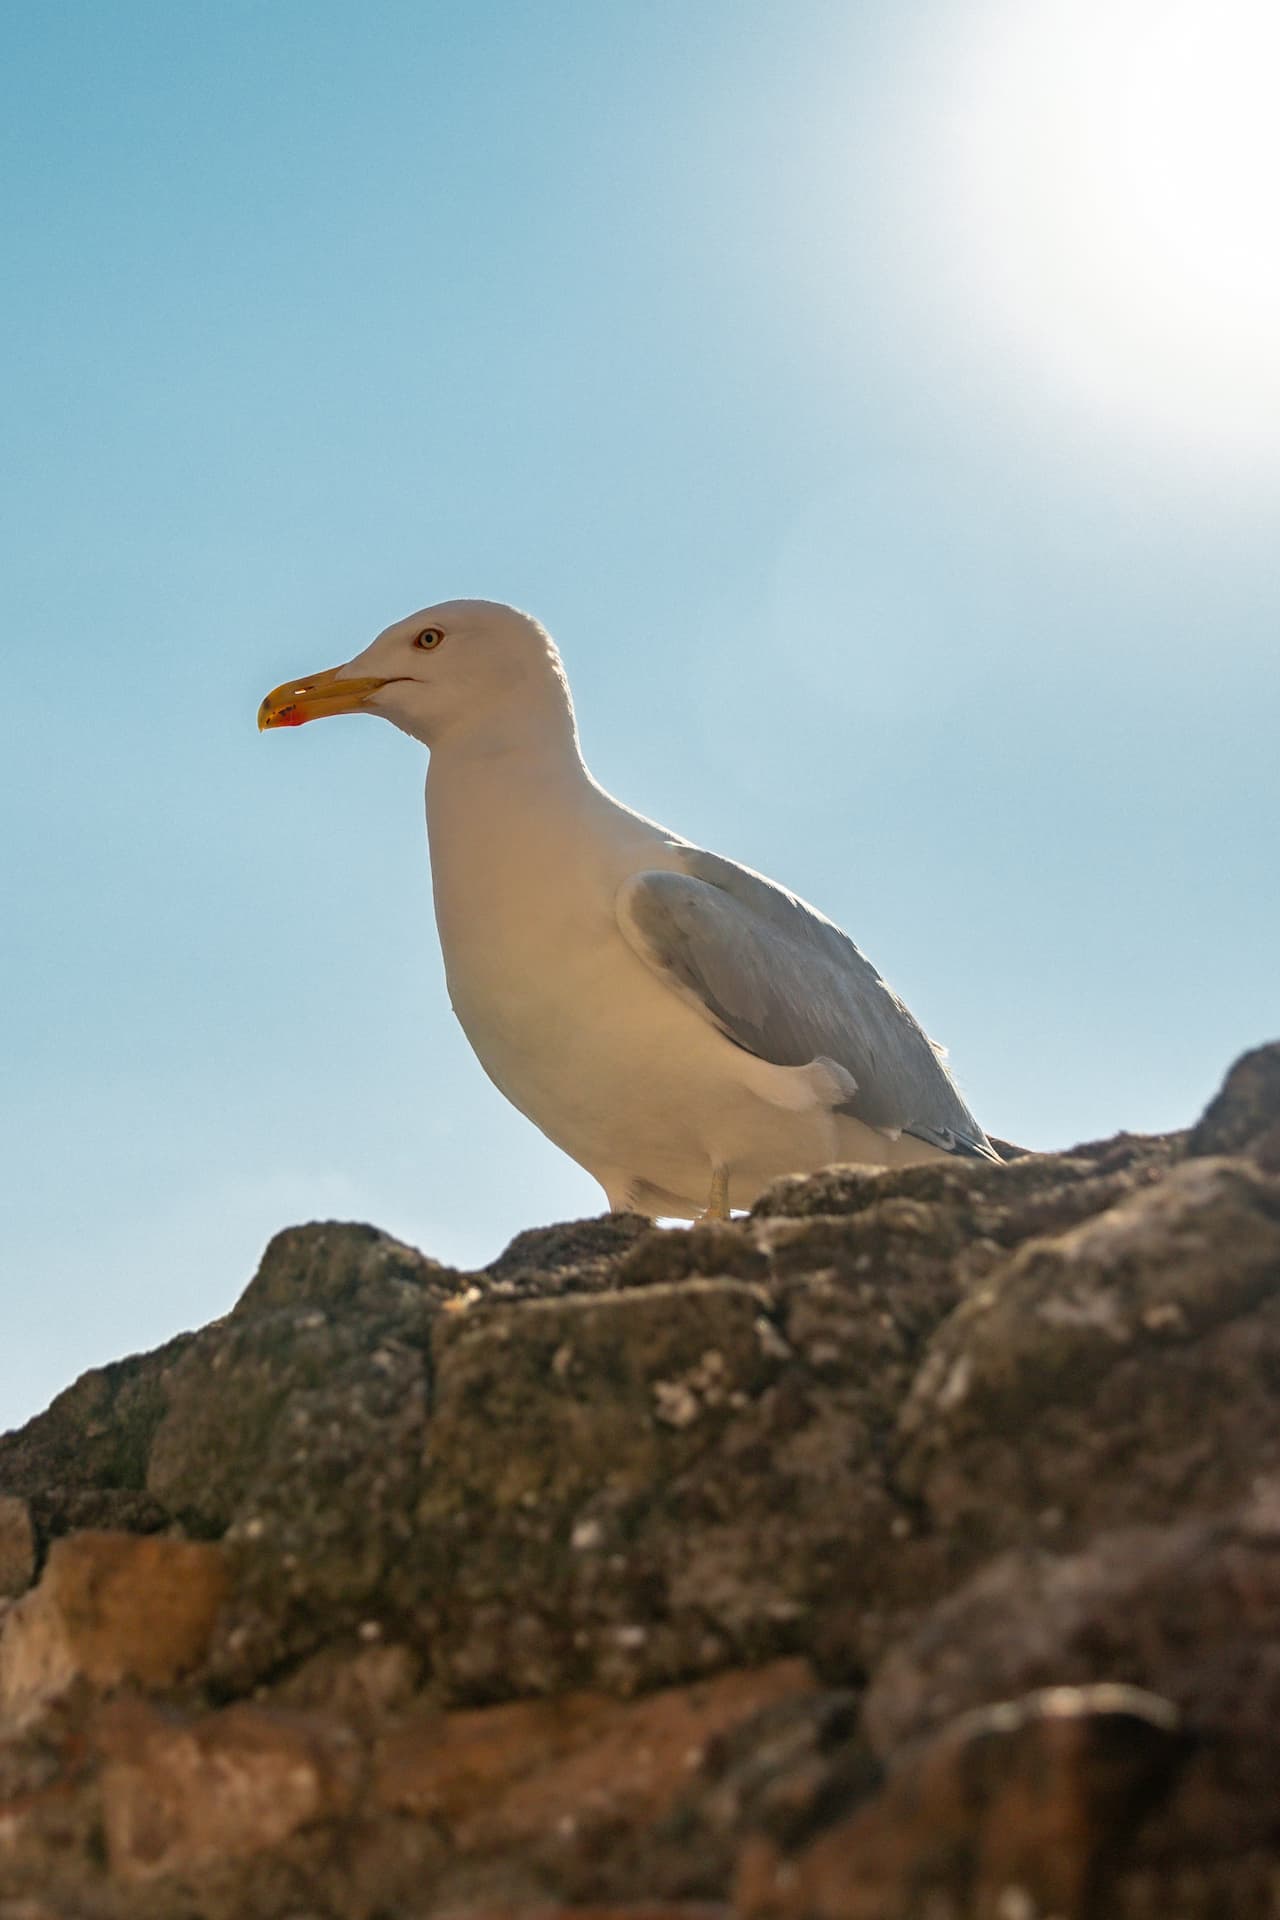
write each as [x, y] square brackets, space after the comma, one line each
[501, 1776]
[637, 1910]
[34, 1910]
[110, 1607]
[1184, 1611]
[1244, 1115]
[83, 1462]
[179, 1795]
[293, 1357]
[619, 1392]
[17, 1546]
[777, 1774]
[1190, 1611]
[566, 1582]
[574, 1256]
[365, 1686]
[335, 1265]
[986, 1196]
[1023, 1809]
[48, 1817]
[616, 1397]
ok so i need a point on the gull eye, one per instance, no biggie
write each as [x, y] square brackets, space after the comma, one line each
[429, 637]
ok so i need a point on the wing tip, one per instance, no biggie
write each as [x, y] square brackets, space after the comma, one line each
[964, 1146]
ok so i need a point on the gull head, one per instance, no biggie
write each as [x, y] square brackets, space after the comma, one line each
[447, 669]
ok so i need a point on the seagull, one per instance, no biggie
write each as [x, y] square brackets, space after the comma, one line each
[682, 1027]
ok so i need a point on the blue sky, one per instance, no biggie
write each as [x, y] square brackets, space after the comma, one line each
[880, 405]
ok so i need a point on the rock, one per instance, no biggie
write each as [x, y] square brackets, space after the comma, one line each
[110, 1607]
[1099, 1348]
[1244, 1116]
[578, 1256]
[33, 1910]
[366, 1685]
[181, 1795]
[333, 1267]
[17, 1546]
[614, 1396]
[1019, 1810]
[565, 1778]
[910, 1548]
[1058, 1189]
[1120, 1606]
[93, 1440]
[245, 1395]
[1187, 1611]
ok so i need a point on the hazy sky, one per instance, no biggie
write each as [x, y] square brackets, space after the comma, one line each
[881, 405]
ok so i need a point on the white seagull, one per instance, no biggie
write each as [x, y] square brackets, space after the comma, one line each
[680, 1026]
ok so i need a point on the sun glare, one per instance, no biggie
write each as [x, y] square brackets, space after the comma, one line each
[1107, 175]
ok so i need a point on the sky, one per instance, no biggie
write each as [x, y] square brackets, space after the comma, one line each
[881, 406]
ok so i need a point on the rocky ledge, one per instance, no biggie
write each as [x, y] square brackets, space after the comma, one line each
[909, 1550]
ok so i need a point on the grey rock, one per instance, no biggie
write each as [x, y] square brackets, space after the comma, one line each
[1122, 1370]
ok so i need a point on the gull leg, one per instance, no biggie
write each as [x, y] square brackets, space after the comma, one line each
[718, 1203]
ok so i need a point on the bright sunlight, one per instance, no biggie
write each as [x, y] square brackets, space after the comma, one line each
[1108, 173]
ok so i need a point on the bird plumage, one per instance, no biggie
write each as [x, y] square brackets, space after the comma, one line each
[680, 1025]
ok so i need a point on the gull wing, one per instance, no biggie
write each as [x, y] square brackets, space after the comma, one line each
[784, 983]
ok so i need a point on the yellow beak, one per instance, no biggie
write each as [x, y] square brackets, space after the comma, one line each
[298, 701]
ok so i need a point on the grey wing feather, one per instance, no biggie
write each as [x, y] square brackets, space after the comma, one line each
[783, 982]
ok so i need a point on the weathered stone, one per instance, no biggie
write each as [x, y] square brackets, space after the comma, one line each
[1022, 1809]
[95, 1437]
[713, 1249]
[334, 1266]
[1124, 1605]
[608, 1370]
[48, 1815]
[718, 1486]
[365, 1685]
[110, 1607]
[646, 1562]
[34, 1910]
[179, 1795]
[1244, 1115]
[987, 1193]
[328, 1516]
[575, 1256]
[630, 1910]
[61, 1509]
[1190, 1611]
[613, 1396]
[294, 1354]
[1070, 1386]
[560, 1773]
[17, 1546]
[776, 1775]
